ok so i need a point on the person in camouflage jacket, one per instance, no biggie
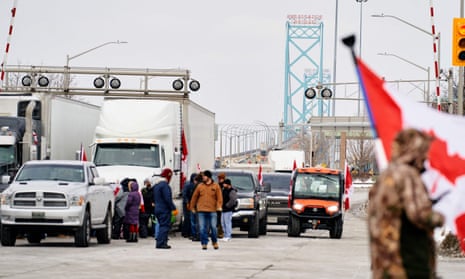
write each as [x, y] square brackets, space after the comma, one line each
[401, 220]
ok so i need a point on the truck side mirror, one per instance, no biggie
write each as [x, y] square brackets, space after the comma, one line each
[99, 181]
[266, 187]
[5, 179]
[177, 162]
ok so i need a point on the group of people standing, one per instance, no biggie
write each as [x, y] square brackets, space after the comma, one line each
[134, 210]
[207, 205]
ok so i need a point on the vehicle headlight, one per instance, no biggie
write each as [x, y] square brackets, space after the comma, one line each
[245, 203]
[332, 209]
[298, 207]
[5, 198]
[77, 200]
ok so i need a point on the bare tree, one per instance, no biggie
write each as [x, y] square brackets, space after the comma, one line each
[361, 154]
[322, 144]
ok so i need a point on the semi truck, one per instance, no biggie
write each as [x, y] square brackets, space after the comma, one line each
[45, 127]
[286, 160]
[137, 138]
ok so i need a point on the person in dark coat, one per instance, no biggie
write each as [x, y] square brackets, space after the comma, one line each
[229, 202]
[144, 217]
[164, 207]
[121, 196]
[132, 211]
[187, 191]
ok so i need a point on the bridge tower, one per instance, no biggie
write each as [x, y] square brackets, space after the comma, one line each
[304, 69]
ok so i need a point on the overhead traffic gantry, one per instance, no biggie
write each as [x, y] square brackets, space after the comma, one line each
[167, 84]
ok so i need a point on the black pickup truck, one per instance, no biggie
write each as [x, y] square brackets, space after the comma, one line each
[250, 213]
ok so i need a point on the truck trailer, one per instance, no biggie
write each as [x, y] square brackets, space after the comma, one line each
[33, 128]
[137, 138]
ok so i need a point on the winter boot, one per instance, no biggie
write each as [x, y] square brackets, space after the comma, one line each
[132, 237]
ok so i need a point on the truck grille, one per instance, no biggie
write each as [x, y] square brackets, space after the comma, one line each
[315, 211]
[277, 203]
[40, 200]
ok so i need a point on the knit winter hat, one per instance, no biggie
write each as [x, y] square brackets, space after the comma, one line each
[207, 173]
[166, 173]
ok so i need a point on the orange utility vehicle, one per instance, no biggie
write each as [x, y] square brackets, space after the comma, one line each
[315, 201]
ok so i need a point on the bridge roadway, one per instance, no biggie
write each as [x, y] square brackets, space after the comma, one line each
[314, 255]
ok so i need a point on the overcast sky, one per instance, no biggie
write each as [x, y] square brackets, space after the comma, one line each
[236, 49]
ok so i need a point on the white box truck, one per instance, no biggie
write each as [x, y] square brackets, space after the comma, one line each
[283, 160]
[137, 138]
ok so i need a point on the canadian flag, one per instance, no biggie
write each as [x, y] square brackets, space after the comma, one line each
[444, 177]
[348, 189]
[260, 176]
[82, 154]
[294, 165]
[184, 153]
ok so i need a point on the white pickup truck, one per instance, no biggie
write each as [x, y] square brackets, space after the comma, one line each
[57, 196]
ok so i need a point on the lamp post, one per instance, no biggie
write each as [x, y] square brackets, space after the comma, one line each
[417, 28]
[69, 58]
[427, 70]
[360, 51]
[435, 38]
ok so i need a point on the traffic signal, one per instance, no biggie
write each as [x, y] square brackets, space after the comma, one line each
[458, 42]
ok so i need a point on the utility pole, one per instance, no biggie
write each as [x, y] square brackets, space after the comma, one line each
[461, 77]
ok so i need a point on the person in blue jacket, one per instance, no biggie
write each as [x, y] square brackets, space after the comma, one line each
[164, 207]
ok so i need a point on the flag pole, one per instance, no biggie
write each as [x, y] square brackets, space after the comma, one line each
[381, 157]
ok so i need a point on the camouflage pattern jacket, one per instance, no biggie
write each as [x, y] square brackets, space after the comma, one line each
[401, 220]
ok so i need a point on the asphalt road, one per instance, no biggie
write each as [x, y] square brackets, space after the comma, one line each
[313, 255]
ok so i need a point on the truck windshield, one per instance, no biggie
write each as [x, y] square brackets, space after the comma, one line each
[242, 182]
[145, 155]
[7, 154]
[311, 185]
[51, 172]
[278, 182]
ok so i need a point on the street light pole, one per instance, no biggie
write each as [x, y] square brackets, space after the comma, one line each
[68, 58]
[360, 52]
[427, 70]
[417, 28]
[435, 37]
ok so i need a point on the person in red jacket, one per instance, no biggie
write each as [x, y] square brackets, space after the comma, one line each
[207, 200]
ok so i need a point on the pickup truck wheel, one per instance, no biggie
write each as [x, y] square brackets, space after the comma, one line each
[8, 236]
[34, 238]
[293, 227]
[82, 236]
[336, 230]
[263, 226]
[254, 227]
[103, 235]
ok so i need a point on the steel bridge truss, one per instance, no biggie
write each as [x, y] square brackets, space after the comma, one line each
[303, 69]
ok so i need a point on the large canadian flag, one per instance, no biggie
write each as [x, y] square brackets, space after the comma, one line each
[390, 112]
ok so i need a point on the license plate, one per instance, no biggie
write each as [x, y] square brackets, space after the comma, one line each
[38, 214]
[272, 219]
